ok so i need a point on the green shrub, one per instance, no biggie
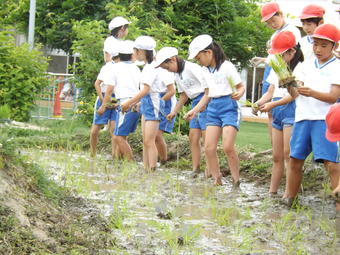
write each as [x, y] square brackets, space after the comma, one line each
[22, 76]
[4, 112]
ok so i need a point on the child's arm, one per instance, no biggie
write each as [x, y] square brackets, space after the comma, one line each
[107, 98]
[183, 98]
[268, 106]
[199, 107]
[239, 92]
[98, 89]
[132, 101]
[328, 97]
[170, 91]
[266, 97]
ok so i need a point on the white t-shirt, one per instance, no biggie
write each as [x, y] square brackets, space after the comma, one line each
[103, 72]
[125, 77]
[273, 79]
[109, 43]
[192, 80]
[154, 77]
[319, 78]
[291, 28]
[218, 79]
[166, 78]
[306, 43]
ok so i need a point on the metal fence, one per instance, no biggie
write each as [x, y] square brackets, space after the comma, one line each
[59, 99]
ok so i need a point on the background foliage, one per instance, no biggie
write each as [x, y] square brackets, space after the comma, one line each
[82, 25]
[22, 76]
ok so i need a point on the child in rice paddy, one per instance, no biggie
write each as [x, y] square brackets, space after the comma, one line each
[313, 100]
[191, 84]
[224, 89]
[281, 104]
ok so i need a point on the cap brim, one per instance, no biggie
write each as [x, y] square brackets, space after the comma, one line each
[272, 51]
[322, 37]
[309, 16]
[193, 54]
[267, 17]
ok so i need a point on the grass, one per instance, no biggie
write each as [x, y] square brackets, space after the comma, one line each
[254, 134]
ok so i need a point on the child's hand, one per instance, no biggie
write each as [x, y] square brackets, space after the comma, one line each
[305, 91]
[236, 95]
[189, 115]
[125, 106]
[171, 115]
[266, 107]
[101, 110]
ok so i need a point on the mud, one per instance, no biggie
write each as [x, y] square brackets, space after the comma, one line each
[169, 212]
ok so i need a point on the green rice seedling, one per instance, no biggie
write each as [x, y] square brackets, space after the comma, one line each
[118, 215]
[282, 70]
[232, 84]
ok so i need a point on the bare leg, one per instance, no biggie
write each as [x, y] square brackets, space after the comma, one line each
[211, 139]
[145, 155]
[270, 126]
[195, 146]
[287, 133]
[124, 147]
[334, 174]
[294, 177]
[94, 139]
[161, 146]
[278, 160]
[114, 146]
[228, 141]
[150, 132]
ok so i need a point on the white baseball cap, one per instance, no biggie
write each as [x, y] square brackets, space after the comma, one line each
[126, 47]
[198, 44]
[118, 22]
[113, 48]
[164, 54]
[145, 43]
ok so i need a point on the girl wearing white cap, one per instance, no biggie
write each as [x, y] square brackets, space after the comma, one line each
[281, 104]
[118, 27]
[191, 84]
[151, 87]
[124, 79]
[223, 112]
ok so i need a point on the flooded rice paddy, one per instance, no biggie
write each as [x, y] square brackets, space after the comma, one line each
[170, 212]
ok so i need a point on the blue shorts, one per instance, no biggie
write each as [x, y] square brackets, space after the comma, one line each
[223, 111]
[150, 106]
[200, 120]
[164, 124]
[309, 136]
[126, 123]
[283, 115]
[108, 115]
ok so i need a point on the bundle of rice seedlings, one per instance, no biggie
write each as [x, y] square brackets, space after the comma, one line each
[254, 106]
[284, 73]
[112, 104]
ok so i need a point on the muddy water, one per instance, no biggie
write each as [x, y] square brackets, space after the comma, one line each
[169, 212]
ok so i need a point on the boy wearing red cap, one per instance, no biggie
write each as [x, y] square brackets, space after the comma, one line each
[321, 89]
[311, 17]
[273, 16]
[333, 134]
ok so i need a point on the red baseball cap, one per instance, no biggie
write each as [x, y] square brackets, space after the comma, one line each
[328, 32]
[333, 123]
[268, 10]
[282, 42]
[312, 11]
